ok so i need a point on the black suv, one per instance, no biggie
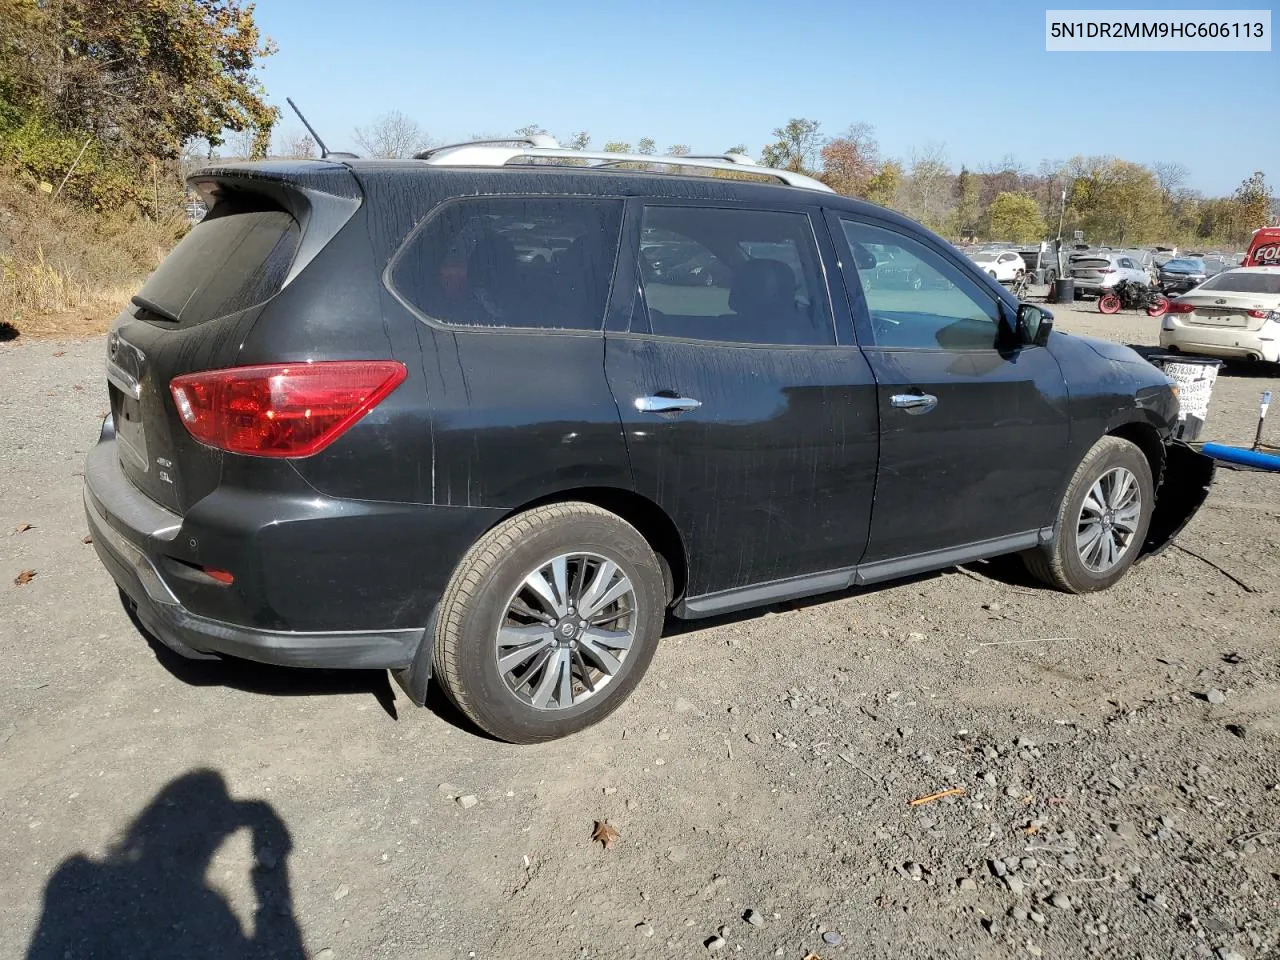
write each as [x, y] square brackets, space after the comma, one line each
[442, 416]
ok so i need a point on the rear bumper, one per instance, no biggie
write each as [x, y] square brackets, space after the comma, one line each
[1225, 342]
[135, 537]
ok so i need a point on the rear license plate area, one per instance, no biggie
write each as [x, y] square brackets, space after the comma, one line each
[126, 412]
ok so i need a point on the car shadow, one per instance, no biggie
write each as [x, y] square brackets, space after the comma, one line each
[268, 680]
[149, 896]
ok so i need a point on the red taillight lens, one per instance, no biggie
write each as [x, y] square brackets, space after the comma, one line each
[1259, 314]
[1176, 307]
[281, 409]
[222, 576]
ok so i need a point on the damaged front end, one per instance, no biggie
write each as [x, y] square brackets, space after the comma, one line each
[1183, 489]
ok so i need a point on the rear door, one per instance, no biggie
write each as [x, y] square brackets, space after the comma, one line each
[973, 435]
[747, 418]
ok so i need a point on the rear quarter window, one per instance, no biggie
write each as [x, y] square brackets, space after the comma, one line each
[516, 262]
[235, 258]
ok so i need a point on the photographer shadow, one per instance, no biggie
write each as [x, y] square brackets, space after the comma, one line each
[148, 897]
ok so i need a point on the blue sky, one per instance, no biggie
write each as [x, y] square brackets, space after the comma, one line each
[972, 76]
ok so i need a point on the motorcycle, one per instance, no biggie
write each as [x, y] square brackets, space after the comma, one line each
[1130, 295]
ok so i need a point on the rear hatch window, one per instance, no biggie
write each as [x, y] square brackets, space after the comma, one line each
[234, 259]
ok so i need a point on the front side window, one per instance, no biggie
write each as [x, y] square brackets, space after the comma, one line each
[532, 262]
[731, 275]
[916, 298]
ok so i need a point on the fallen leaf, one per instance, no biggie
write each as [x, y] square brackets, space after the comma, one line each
[929, 798]
[23, 527]
[61, 353]
[88, 539]
[606, 833]
[26, 576]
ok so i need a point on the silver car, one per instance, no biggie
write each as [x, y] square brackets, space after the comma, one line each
[1097, 270]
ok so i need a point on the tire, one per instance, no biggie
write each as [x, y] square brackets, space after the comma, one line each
[1108, 303]
[1159, 307]
[491, 580]
[1060, 563]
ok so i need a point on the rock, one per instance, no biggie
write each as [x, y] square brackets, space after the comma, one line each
[609, 791]
[993, 607]
[1029, 863]
[1215, 696]
[753, 738]
[658, 762]
[915, 636]
[1060, 901]
[341, 892]
[967, 883]
[997, 867]
[1038, 917]
[1226, 953]
[832, 939]
[448, 789]
[1237, 729]
[714, 943]
[325, 954]
[468, 801]
[1014, 884]
[1017, 913]
[913, 870]
[754, 918]
[644, 929]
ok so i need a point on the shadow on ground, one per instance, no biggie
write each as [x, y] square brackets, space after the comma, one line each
[147, 898]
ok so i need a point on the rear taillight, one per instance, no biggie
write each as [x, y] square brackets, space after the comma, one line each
[1259, 314]
[1175, 307]
[282, 409]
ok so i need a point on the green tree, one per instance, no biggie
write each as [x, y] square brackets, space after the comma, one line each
[647, 146]
[797, 146]
[141, 77]
[1116, 201]
[883, 188]
[738, 148]
[679, 150]
[617, 146]
[968, 191]
[1016, 217]
[1252, 202]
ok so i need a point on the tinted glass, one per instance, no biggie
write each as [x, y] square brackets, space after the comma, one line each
[740, 276]
[231, 260]
[1184, 266]
[1244, 281]
[513, 262]
[915, 297]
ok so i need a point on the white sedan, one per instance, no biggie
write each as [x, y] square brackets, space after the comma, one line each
[1233, 314]
[1005, 265]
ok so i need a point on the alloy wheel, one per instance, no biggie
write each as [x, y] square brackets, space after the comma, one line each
[1108, 520]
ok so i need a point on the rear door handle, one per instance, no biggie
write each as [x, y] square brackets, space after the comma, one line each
[914, 402]
[666, 404]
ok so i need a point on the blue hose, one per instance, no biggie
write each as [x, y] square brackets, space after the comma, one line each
[1250, 458]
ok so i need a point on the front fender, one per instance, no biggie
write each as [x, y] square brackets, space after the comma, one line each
[1184, 486]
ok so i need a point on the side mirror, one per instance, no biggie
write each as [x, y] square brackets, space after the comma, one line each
[1034, 324]
[863, 258]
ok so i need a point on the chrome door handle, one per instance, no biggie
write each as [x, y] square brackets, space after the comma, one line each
[666, 404]
[914, 402]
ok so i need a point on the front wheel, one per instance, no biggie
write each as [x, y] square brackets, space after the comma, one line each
[1158, 307]
[549, 622]
[1102, 521]
[1108, 303]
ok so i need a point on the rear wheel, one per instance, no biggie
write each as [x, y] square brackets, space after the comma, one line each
[1102, 521]
[1109, 303]
[549, 622]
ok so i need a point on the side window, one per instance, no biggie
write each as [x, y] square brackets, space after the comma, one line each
[916, 297]
[541, 262]
[1128, 264]
[738, 276]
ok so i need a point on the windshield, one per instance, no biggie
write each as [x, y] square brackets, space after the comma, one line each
[1244, 281]
[1185, 266]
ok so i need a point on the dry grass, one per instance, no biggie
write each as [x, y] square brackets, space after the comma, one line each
[66, 271]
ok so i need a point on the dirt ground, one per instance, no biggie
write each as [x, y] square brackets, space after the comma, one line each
[1119, 755]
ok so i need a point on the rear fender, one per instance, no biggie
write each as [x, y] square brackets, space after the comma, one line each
[1184, 487]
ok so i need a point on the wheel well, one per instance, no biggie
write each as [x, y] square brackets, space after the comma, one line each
[1145, 437]
[643, 514]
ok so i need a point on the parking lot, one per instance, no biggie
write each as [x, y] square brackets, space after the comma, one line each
[1118, 753]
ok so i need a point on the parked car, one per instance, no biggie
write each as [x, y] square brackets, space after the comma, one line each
[1095, 270]
[351, 426]
[1235, 314]
[1180, 275]
[1004, 266]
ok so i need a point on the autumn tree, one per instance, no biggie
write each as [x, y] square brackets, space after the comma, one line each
[850, 160]
[679, 150]
[883, 188]
[797, 147]
[1016, 217]
[391, 136]
[967, 193]
[1115, 201]
[1252, 202]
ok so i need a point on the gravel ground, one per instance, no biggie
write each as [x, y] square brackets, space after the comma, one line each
[1118, 755]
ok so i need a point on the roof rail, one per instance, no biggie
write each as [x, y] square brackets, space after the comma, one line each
[539, 140]
[500, 153]
[741, 158]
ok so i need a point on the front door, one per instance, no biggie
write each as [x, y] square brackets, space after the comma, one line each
[747, 419]
[974, 432]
